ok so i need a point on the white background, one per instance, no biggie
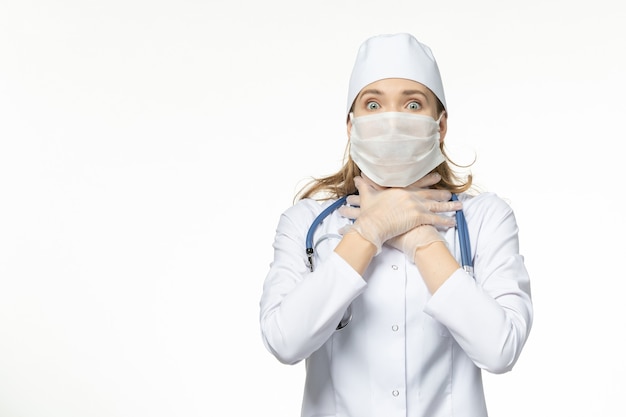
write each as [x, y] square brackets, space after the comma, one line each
[147, 149]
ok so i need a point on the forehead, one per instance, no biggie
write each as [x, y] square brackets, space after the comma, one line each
[396, 86]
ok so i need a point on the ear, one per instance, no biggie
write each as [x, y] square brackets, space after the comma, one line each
[349, 127]
[443, 127]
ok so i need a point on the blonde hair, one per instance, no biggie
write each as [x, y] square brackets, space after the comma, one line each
[342, 183]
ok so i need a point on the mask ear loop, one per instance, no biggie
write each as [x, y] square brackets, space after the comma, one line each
[351, 117]
[439, 120]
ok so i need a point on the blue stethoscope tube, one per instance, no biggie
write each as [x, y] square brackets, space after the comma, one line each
[464, 241]
[319, 219]
[461, 227]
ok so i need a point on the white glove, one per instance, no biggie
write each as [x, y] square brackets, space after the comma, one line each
[352, 210]
[388, 212]
[414, 239]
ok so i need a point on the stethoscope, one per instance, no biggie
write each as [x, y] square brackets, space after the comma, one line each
[461, 227]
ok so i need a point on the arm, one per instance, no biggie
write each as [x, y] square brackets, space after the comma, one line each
[435, 263]
[299, 309]
[356, 251]
[490, 316]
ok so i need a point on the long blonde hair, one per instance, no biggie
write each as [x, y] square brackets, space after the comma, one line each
[342, 183]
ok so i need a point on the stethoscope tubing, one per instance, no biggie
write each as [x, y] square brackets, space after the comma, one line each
[319, 219]
[464, 241]
[461, 226]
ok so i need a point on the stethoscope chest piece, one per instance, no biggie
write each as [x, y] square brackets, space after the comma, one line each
[347, 318]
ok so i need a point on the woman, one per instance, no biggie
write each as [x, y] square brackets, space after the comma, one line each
[387, 320]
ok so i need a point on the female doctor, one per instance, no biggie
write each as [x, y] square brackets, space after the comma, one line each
[379, 307]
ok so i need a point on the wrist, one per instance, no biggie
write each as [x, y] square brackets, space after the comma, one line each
[421, 238]
[356, 250]
[362, 228]
[435, 263]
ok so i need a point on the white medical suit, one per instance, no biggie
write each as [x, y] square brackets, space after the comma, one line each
[405, 352]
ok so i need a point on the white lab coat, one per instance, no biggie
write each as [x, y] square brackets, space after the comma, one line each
[405, 352]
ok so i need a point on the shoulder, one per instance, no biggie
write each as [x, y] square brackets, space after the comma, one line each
[485, 204]
[489, 215]
[296, 221]
[305, 210]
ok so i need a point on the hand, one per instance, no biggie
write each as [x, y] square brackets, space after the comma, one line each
[388, 212]
[352, 210]
[414, 239]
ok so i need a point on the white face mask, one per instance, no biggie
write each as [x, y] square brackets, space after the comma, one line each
[395, 149]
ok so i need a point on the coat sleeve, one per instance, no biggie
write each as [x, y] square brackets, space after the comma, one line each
[490, 316]
[299, 309]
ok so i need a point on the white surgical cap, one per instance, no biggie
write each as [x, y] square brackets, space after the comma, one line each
[394, 56]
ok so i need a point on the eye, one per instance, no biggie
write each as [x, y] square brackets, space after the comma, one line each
[372, 105]
[414, 105]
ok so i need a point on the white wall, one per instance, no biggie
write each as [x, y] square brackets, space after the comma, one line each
[147, 149]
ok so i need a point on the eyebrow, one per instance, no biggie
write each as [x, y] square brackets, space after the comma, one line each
[412, 92]
[380, 93]
[370, 91]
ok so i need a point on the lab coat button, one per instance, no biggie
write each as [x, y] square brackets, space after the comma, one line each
[394, 267]
[395, 393]
[395, 327]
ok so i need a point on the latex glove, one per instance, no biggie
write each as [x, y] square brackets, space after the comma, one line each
[352, 210]
[388, 212]
[414, 239]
